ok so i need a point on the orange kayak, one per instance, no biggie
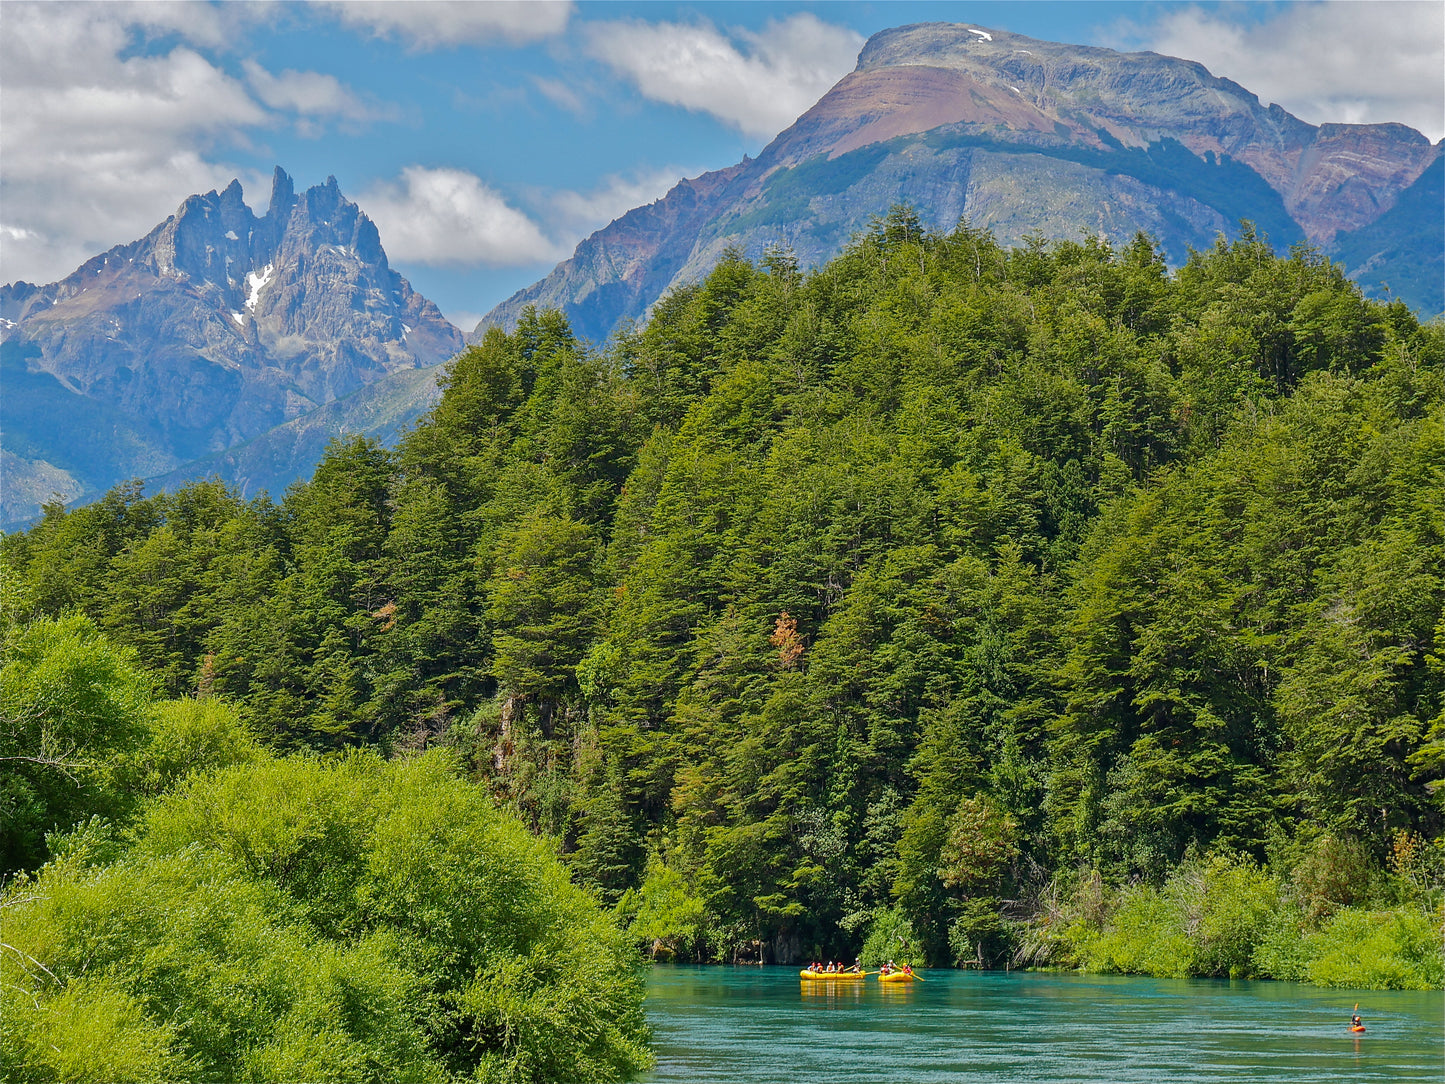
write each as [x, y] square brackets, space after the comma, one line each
[1357, 1027]
[808, 973]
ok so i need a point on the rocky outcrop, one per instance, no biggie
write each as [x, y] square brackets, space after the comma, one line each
[1018, 135]
[214, 328]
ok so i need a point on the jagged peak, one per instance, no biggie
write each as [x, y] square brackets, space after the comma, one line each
[283, 194]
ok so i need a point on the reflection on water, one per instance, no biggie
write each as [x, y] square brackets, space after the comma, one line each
[763, 1024]
[828, 992]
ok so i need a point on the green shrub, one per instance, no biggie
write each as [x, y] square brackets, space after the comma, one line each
[171, 966]
[664, 915]
[74, 708]
[347, 920]
[1227, 903]
[891, 937]
[189, 736]
[1284, 949]
[1144, 936]
[1334, 873]
[1379, 950]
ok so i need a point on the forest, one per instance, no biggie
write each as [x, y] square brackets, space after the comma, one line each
[972, 606]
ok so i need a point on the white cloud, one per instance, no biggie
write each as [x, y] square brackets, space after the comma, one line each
[102, 141]
[431, 24]
[450, 217]
[311, 94]
[1350, 62]
[94, 142]
[560, 94]
[580, 213]
[757, 82]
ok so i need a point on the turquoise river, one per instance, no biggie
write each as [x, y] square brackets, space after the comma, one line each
[719, 1025]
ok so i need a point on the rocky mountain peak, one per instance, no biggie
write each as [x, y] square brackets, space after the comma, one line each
[215, 327]
[1019, 135]
[283, 196]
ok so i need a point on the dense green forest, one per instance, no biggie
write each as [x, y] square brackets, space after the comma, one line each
[976, 606]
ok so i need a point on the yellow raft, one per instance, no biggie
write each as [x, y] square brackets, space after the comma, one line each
[897, 976]
[808, 973]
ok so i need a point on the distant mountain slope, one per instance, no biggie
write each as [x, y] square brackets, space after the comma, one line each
[1398, 254]
[383, 410]
[216, 327]
[1020, 136]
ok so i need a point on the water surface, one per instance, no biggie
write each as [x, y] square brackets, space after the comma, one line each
[763, 1024]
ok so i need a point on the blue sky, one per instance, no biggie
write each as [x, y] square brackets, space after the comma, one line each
[486, 139]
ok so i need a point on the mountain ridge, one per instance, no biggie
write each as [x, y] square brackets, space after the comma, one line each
[991, 119]
[215, 327]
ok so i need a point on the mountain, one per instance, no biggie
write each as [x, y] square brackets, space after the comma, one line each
[289, 452]
[214, 328]
[1020, 136]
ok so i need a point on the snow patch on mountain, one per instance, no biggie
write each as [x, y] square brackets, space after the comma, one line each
[255, 284]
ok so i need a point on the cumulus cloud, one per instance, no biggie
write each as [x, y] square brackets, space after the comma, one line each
[95, 140]
[103, 140]
[756, 82]
[308, 93]
[1350, 62]
[580, 213]
[432, 24]
[450, 217]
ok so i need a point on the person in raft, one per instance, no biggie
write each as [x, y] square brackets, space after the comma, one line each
[887, 968]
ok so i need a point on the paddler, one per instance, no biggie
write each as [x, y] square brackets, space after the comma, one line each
[1356, 1024]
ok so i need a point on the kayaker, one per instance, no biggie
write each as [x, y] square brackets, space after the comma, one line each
[1355, 1022]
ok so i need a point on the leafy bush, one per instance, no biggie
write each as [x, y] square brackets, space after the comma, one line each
[1283, 950]
[189, 736]
[1144, 935]
[177, 965]
[343, 920]
[664, 915]
[1208, 920]
[1380, 950]
[1334, 873]
[72, 704]
[891, 937]
[1227, 904]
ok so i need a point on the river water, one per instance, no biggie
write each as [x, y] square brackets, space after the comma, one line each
[719, 1025]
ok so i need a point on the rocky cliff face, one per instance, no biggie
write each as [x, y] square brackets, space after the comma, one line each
[1017, 134]
[214, 328]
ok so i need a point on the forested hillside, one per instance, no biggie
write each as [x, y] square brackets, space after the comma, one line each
[972, 604]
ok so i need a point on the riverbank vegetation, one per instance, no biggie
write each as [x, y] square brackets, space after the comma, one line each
[226, 914]
[990, 608]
